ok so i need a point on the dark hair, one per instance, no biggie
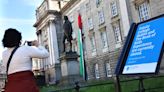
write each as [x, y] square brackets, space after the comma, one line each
[11, 38]
[65, 18]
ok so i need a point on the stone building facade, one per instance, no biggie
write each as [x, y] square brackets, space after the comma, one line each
[49, 33]
[105, 27]
[103, 30]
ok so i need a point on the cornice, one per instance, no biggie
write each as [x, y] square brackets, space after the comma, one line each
[68, 5]
[48, 12]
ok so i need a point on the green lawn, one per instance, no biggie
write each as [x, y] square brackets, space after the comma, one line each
[129, 86]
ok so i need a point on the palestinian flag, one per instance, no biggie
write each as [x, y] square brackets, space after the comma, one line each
[80, 45]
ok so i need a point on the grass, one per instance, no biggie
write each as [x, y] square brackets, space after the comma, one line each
[102, 88]
[108, 86]
[48, 88]
[154, 83]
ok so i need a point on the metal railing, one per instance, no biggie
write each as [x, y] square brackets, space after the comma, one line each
[124, 85]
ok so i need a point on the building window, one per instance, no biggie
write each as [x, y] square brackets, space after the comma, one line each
[87, 7]
[88, 76]
[114, 9]
[104, 41]
[97, 75]
[108, 70]
[93, 45]
[98, 3]
[117, 33]
[101, 17]
[143, 10]
[71, 18]
[90, 23]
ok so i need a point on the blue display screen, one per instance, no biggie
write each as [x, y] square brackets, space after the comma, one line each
[146, 47]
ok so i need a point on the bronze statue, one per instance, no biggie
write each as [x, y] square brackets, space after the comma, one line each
[67, 26]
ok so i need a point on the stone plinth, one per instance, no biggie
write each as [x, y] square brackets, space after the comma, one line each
[70, 68]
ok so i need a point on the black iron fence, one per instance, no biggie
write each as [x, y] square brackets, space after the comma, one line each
[130, 84]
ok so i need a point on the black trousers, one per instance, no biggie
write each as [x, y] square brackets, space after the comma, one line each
[69, 39]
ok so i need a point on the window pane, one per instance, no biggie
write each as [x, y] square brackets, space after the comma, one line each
[143, 11]
[101, 17]
[98, 2]
[90, 23]
[117, 33]
[87, 7]
[114, 9]
[104, 39]
[93, 45]
[97, 71]
[108, 70]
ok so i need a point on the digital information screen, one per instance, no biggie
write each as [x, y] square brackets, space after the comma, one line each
[146, 46]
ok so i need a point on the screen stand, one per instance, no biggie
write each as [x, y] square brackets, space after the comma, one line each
[117, 84]
[141, 85]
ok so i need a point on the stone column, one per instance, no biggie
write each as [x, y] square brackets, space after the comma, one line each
[70, 68]
[58, 72]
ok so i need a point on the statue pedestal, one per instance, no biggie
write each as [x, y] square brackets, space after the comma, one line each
[70, 68]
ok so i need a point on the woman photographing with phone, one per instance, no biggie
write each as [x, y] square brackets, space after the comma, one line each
[18, 62]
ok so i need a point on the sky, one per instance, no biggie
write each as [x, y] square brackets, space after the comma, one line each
[18, 14]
